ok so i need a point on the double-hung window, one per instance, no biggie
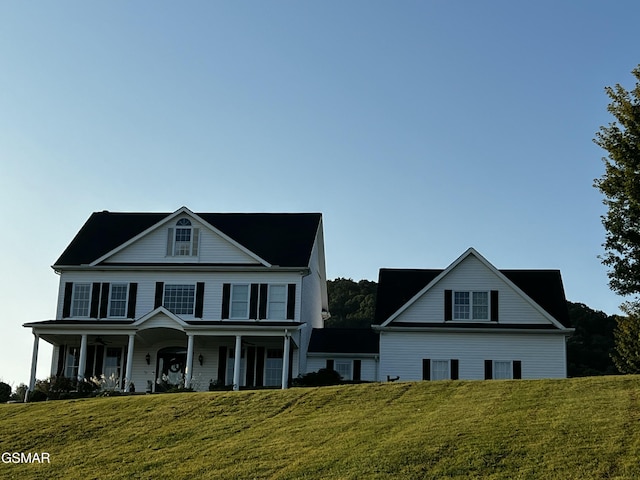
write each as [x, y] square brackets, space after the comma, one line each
[502, 370]
[118, 299]
[343, 367]
[440, 370]
[71, 362]
[239, 301]
[470, 305]
[183, 239]
[81, 300]
[273, 367]
[277, 304]
[179, 299]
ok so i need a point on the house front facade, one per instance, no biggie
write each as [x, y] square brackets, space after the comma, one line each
[165, 299]
[471, 321]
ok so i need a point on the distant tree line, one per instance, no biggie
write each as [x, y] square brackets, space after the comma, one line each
[589, 349]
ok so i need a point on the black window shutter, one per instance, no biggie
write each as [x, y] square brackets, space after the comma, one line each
[66, 304]
[291, 302]
[95, 300]
[133, 296]
[226, 296]
[253, 302]
[99, 360]
[104, 300]
[357, 370]
[517, 369]
[170, 242]
[488, 369]
[159, 293]
[89, 367]
[251, 363]
[448, 306]
[259, 366]
[426, 369]
[262, 307]
[329, 364]
[61, 357]
[455, 367]
[222, 365]
[199, 300]
[494, 305]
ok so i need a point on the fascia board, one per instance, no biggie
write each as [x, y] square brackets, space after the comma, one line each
[167, 219]
[428, 287]
[486, 263]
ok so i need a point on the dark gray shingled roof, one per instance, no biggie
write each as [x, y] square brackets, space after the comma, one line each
[283, 239]
[344, 340]
[397, 286]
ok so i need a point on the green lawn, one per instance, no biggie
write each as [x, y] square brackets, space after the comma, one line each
[565, 429]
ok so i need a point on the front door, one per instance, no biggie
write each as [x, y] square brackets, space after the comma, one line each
[170, 368]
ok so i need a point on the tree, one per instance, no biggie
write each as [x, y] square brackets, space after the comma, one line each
[590, 348]
[351, 304]
[5, 392]
[627, 352]
[620, 185]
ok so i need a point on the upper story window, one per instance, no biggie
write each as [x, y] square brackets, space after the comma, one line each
[277, 304]
[118, 299]
[179, 299]
[240, 301]
[183, 239]
[81, 300]
[471, 305]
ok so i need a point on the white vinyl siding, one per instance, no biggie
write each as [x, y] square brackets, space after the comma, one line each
[542, 355]
[206, 247]
[146, 280]
[472, 276]
[368, 365]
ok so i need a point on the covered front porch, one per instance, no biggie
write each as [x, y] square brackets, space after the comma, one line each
[159, 352]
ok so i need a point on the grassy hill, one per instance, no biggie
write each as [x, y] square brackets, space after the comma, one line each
[579, 428]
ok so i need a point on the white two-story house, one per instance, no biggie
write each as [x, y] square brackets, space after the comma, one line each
[157, 299]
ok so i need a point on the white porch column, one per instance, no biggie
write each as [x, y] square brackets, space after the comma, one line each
[285, 359]
[236, 363]
[82, 363]
[189, 367]
[128, 373]
[34, 363]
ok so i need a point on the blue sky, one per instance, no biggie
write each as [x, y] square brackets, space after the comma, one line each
[418, 129]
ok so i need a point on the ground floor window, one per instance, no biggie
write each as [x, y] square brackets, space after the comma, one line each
[502, 370]
[440, 370]
[343, 367]
[72, 362]
[230, 366]
[273, 367]
[113, 363]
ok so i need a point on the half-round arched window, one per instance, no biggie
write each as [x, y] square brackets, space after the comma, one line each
[185, 241]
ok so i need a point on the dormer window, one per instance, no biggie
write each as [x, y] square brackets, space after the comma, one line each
[183, 239]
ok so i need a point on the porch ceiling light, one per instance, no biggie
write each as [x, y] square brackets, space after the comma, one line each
[200, 359]
[148, 358]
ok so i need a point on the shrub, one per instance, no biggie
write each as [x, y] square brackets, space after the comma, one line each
[5, 392]
[322, 377]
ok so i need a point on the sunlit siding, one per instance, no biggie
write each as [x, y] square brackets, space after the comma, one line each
[212, 293]
[542, 355]
[152, 248]
[472, 275]
[369, 365]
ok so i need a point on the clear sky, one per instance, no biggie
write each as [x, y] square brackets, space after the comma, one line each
[418, 129]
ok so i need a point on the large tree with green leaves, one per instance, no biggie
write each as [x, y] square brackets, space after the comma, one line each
[620, 186]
